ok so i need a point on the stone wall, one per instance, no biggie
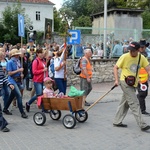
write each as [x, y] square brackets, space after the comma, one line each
[102, 71]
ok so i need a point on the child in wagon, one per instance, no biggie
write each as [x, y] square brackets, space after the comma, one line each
[48, 90]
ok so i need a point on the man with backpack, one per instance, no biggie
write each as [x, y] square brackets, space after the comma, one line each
[86, 75]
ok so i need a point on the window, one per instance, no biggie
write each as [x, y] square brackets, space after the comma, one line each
[37, 15]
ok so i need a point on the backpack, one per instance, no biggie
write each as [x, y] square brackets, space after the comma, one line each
[76, 67]
[31, 72]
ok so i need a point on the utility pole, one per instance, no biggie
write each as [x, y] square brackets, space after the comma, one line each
[105, 28]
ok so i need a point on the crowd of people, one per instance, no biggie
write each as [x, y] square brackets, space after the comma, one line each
[114, 49]
[42, 70]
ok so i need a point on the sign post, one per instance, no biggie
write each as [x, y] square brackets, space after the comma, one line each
[74, 39]
[21, 30]
[65, 35]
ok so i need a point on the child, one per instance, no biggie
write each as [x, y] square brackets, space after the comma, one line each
[48, 91]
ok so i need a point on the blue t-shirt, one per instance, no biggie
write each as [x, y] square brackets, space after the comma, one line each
[12, 65]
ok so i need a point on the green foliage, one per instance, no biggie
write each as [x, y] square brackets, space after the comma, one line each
[57, 20]
[83, 21]
[146, 19]
[39, 37]
[10, 23]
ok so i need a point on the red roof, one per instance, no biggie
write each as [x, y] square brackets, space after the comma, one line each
[31, 1]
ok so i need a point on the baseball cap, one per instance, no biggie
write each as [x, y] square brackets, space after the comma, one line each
[48, 79]
[133, 46]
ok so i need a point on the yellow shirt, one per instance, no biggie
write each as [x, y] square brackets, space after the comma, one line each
[128, 64]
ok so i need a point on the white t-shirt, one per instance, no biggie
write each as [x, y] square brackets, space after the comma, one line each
[60, 73]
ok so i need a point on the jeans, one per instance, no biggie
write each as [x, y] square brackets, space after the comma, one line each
[61, 85]
[38, 90]
[15, 93]
[3, 122]
[5, 93]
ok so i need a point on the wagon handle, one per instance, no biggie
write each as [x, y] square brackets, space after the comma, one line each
[114, 87]
[100, 98]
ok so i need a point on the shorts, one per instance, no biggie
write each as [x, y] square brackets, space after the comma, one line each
[85, 86]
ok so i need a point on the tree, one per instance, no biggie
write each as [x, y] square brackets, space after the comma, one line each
[57, 20]
[67, 15]
[10, 22]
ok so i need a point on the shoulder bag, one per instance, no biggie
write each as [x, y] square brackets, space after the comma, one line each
[130, 80]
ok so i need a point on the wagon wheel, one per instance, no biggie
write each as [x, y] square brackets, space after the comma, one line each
[81, 116]
[55, 114]
[39, 118]
[69, 121]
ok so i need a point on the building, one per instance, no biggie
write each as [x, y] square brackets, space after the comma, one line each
[39, 11]
[121, 23]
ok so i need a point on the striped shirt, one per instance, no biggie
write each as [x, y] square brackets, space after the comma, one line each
[3, 78]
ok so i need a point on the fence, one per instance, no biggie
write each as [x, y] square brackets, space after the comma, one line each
[96, 35]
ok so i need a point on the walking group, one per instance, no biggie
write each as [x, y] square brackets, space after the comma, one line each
[45, 68]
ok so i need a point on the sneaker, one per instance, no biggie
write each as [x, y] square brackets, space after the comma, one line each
[7, 112]
[120, 125]
[27, 107]
[86, 103]
[5, 129]
[146, 128]
[23, 115]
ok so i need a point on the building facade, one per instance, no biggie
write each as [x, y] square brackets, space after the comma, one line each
[37, 10]
[121, 23]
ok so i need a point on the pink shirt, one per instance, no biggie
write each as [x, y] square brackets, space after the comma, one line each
[49, 92]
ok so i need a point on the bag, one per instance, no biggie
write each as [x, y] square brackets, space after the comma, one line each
[74, 92]
[76, 67]
[130, 80]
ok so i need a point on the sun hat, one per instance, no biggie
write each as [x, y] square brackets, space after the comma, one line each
[133, 46]
[48, 79]
[143, 43]
[14, 52]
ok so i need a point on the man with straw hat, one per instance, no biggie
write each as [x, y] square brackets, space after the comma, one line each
[15, 77]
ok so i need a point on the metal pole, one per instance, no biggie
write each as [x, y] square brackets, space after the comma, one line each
[105, 28]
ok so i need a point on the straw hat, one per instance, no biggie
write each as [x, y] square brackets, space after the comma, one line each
[14, 52]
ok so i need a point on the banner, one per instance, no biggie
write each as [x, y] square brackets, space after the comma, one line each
[48, 28]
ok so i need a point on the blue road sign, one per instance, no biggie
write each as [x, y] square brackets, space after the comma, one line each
[20, 25]
[75, 37]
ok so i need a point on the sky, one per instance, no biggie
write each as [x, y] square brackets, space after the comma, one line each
[57, 3]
